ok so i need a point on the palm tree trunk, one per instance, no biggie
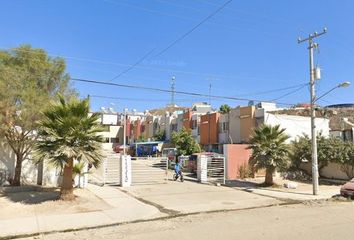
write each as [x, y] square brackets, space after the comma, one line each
[269, 176]
[67, 190]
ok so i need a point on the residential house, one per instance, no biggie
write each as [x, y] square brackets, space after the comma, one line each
[243, 120]
[209, 131]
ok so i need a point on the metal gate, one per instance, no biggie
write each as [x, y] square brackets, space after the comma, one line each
[216, 169]
[149, 170]
[109, 172]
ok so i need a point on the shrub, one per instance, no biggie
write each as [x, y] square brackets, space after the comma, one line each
[245, 171]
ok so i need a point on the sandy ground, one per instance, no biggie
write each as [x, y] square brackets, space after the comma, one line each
[44, 202]
[325, 220]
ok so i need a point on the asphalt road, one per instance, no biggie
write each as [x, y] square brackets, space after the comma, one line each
[324, 220]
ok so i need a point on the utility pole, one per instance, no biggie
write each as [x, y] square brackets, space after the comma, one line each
[313, 45]
[125, 129]
[209, 94]
[173, 80]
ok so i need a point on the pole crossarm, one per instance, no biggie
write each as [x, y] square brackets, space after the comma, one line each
[312, 36]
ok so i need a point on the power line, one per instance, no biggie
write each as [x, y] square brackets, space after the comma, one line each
[292, 92]
[169, 91]
[194, 28]
[275, 90]
[219, 76]
[140, 99]
[134, 65]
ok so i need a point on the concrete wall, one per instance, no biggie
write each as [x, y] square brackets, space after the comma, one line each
[223, 135]
[7, 161]
[247, 122]
[242, 121]
[332, 171]
[234, 125]
[114, 132]
[149, 127]
[236, 155]
[296, 125]
[180, 122]
[29, 169]
[195, 132]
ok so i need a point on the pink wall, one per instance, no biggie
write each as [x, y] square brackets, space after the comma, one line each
[236, 155]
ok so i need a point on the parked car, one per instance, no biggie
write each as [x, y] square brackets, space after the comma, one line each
[347, 190]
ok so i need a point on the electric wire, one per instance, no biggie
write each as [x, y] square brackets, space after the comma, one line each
[134, 65]
[170, 91]
[194, 28]
[291, 92]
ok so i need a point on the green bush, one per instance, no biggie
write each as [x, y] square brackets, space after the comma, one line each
[330, 149]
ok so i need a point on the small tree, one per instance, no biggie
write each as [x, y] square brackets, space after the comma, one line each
[67, 133]
[185, 143]
[269, 150]
[79, 170]
[328, 150]
[160, 135]
[300, 150]
[141, 138]
[224, 109]
[29, 78]
[345, 158]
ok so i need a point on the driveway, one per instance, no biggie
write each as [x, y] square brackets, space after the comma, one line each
[192, 197]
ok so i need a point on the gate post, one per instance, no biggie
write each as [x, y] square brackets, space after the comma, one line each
[202, 168]
[126, 170]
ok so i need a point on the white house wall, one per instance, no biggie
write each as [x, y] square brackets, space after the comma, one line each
[180, 122]
[296, 125]
[29, 169]
[109, 119]
[223, 136]
[7, 162]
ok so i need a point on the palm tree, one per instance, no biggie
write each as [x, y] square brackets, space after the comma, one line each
[270, 150]
[67, 134]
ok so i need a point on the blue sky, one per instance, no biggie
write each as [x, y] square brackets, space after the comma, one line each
[247, 48]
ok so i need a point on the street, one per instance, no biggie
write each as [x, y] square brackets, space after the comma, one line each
[311, 220]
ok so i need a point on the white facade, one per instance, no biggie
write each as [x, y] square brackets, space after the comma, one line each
[180, 122]
[29, 172]
[224, 128]
[113, 137]
[297, 126]
[195, 126]
[109, 119]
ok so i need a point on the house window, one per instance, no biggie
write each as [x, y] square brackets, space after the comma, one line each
[223, 127]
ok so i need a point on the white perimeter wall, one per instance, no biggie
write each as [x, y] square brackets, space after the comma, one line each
[296, 125]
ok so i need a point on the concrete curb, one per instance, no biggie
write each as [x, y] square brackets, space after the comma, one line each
[139, 221]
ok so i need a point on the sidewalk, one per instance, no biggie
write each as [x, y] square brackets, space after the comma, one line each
[303, 192]
[192, 197]
[159, 200]
[124, 209]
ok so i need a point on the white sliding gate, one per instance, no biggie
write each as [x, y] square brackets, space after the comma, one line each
[109, 171]
[151, 170]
